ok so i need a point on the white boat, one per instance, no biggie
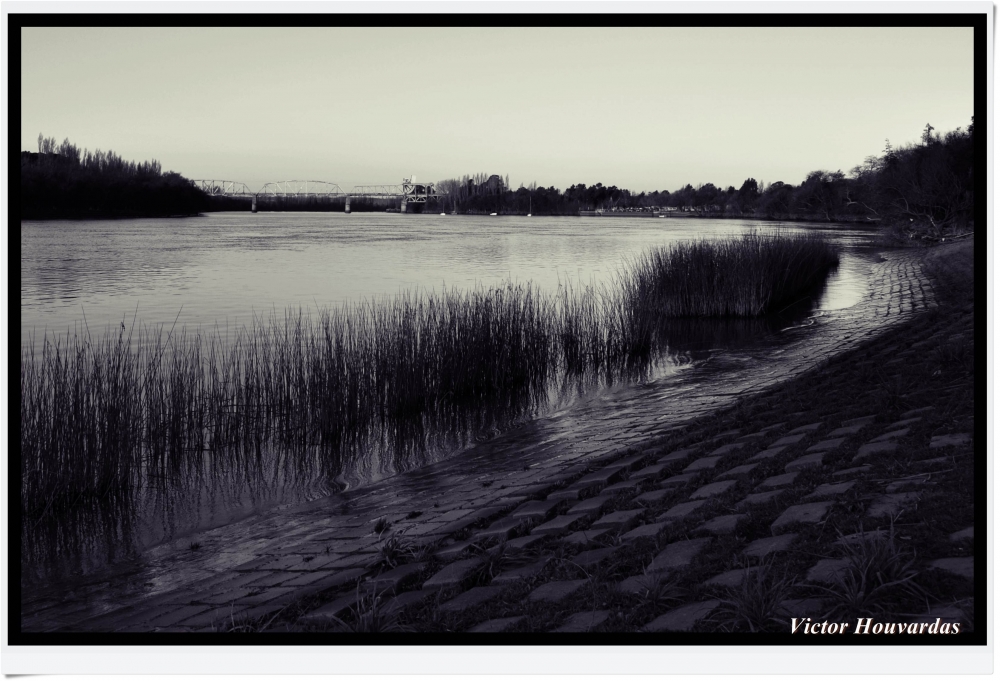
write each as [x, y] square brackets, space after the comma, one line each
[442, 213]
[529, 215]
[492, 213]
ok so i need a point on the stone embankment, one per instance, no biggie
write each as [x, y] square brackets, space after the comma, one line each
[629, 513]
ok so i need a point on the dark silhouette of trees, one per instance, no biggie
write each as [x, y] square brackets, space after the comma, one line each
[63, 181]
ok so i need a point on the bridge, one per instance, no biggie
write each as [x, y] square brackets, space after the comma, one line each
[408, 192]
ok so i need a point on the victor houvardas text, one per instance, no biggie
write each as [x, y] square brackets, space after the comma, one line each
[867, 625]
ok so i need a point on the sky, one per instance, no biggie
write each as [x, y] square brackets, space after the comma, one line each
[640, 108]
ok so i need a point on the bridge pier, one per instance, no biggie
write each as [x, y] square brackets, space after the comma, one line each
[253, 204]
[402, 205]
[347, 204]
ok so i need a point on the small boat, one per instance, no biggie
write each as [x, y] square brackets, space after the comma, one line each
[492, 213]
[529, 215]
[442, 213]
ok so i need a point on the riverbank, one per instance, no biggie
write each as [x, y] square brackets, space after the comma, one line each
[298, 569]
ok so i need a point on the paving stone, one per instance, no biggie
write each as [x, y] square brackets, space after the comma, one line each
[828, 570]
[584, 537]
[770, 428]
[592, 505]
[830, 489]
[724, 434]
[265, 596]
[559, 524]
[217, 618]
[703, 464]
[952, 440]
[859, 421]
[641, 584]
[505, 528]
[677, 555]
[175, 615]
[914, 412]
[857, 470]
[683, 618]
[392, 579]
[713, 489]
[963, 567]
[556, 591]
[524, 542]
[468, 521]
[655, 471]
[806, 462]
[471, 598]
[765, 545]
[536, 510]
[524, 572]
[865, 451]
[910, 481]
[779, 480]
[737, 471]
[827, 445]
[653, 497]
[752, 436]
[723, 524]
[622, 519]
[847, 430]
[588, 559]
[624, 487]
[761, 498]
[809, 428]
[455, 550]
[678, 456]
[731, 579]
[726, 449]
[584, 621]
[768, 454]
[962, 534]
[571, 493]
[496, 626]
[904, 422]
[604, 476]
[789, 440]
[803, 513]
[933, 463]
[892, 435]
[537, 491]
[682, 510]
[453, 574]
[650, 530]
[890, 504]
[678, 480]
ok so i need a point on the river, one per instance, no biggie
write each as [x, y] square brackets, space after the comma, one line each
[220, 270]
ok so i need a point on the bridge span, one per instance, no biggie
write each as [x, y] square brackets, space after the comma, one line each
[408, 192]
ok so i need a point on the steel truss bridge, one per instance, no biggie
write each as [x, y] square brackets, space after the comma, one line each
[409, 191]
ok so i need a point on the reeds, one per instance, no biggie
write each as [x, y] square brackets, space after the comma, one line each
[746, 276]
[362, 388]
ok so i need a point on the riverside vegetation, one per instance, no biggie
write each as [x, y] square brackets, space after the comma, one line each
[102, 418]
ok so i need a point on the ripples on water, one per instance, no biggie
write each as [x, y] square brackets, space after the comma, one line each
[218, 271]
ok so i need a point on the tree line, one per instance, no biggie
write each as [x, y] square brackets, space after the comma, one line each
[63, 181]
[928, 186]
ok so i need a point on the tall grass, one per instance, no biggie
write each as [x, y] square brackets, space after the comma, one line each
[363, 387]
[746, 276]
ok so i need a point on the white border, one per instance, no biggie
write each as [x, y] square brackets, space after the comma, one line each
[568, 660]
